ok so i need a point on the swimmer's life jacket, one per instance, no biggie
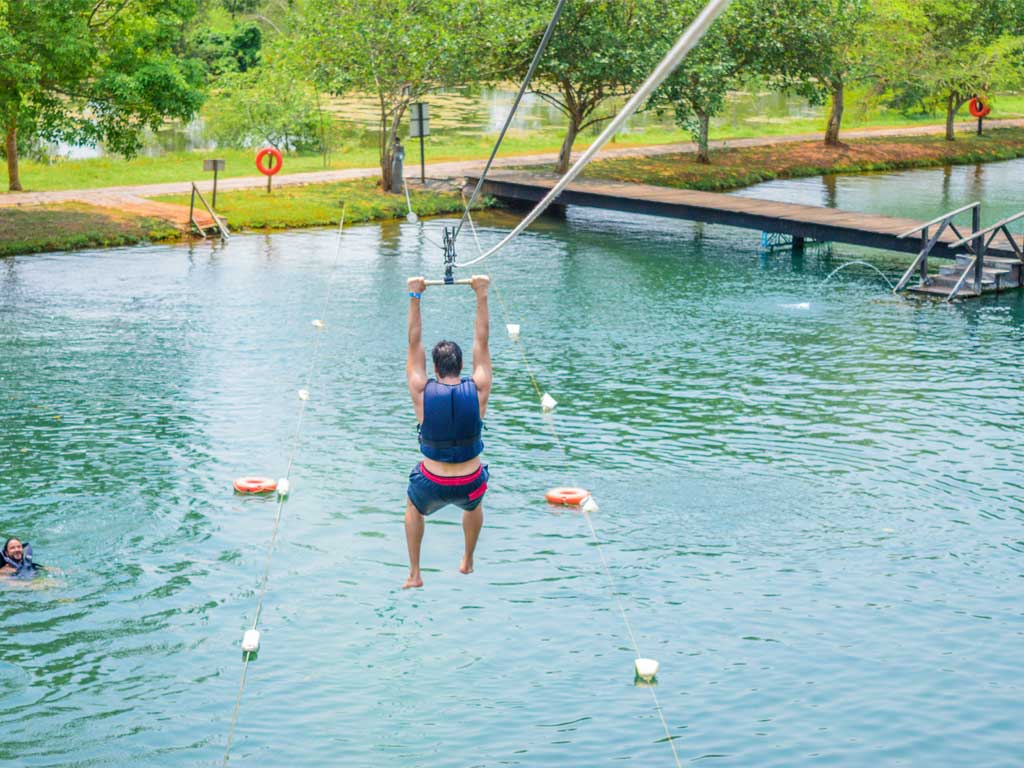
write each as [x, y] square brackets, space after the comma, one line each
[26, 569]
[451, 426]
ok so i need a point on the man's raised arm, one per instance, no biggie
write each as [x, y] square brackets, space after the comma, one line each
[482, 374]
[415, 363]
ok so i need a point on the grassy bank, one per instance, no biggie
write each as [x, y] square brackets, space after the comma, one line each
[734, 168]
[314, 205]
[452, 145]
[70, 226]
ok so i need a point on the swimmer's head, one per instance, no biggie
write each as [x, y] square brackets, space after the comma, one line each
[447, 359]
[14, 550]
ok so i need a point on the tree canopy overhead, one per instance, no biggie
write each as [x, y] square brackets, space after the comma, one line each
[398, 51]
[600, 51]
[93, 70]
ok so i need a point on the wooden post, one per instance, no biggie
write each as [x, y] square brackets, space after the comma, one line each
[191, 210]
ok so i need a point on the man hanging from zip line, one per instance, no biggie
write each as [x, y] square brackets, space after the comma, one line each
[450, 410]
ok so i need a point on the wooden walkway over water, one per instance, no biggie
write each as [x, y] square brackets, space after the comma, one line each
[800, 221]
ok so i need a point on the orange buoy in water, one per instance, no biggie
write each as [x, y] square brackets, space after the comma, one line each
[255, 485]
[568, 496]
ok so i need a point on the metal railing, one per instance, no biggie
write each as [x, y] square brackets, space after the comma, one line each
[981, 245]
[222, 227]
[944, 222]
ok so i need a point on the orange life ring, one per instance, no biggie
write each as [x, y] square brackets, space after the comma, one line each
[569, 496]
[978, 108]
[255, 485]
[275, 164]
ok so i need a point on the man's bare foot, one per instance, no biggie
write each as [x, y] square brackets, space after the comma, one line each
[412, 581]
[466, 566]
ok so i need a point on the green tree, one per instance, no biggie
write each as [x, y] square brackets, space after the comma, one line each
[273, 104]
[235, 51]
[93, 70]
[827, 48]
[963, 48]
[398, 51]
[601, 51]
[749, 40]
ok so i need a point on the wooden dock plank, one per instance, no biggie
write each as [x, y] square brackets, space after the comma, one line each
[796, 219]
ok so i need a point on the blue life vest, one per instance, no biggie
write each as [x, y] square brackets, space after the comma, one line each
[451, 426]
[25, 569]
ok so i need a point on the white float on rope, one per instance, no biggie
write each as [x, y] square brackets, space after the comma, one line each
[318, 324]
[283, 486]
[513, 331]
[251, 641]
[548, 403]
[588, 505]
[646, 669]
[303, 394]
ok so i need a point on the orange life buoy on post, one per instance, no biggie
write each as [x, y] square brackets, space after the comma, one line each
[978, 108]
[275, 164]
[567, 496]
[255, 485]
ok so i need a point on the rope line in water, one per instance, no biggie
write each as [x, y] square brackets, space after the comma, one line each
[665, 67]
[296, 440]
[586, 515]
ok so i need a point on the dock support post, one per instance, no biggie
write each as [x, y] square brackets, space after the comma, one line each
[798, 244]
[924, 256]
[979, 248]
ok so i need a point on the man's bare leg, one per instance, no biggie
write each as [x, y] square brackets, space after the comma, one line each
[472, 522]
[414, 525]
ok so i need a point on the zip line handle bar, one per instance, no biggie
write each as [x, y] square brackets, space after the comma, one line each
[462, 281]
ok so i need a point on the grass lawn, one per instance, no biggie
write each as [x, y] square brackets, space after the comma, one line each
[734, 168]
[69, 226]
[314, 205]
[443, 146]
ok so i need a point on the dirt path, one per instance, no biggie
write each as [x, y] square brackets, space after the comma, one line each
[133, 197]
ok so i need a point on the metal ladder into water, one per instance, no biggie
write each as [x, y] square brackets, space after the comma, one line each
[986, 260]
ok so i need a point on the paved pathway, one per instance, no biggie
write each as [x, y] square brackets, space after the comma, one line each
[133, 197]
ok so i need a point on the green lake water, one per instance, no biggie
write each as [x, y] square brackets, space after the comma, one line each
[811, 496]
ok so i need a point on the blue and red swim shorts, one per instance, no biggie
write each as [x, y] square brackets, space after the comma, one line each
[429, 492]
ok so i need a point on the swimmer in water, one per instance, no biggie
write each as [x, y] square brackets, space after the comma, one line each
[450, 410]
[16, 560]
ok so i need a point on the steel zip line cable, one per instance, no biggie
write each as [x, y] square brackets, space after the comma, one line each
[515, 106]
[689, 39]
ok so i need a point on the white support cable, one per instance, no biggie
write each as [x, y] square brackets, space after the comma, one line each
[296, 438]
[689, 39]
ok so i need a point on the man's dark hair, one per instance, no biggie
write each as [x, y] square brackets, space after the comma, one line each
[447, 359]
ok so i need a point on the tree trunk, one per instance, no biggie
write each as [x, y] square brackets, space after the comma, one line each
[953, 103]
[11, 148]
[702, 138]
[835, 116]
[385, 171]
[565, 153]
